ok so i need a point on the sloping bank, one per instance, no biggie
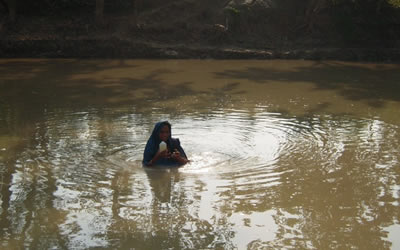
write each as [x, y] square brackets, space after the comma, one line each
[114, 48]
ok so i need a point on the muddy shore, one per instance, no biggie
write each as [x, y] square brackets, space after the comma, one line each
[114, 48]
[178, 33]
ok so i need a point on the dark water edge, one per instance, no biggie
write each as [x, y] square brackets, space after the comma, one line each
[116, 48]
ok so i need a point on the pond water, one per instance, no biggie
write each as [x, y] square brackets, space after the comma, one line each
[284, 154]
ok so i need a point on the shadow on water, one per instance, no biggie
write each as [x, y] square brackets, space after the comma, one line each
[28, 88]
[84, 82]
[371, 84]
[74, 82]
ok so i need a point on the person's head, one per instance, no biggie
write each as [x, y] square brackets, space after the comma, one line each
[165, 131]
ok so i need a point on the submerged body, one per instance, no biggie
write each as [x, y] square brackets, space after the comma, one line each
[173, 155]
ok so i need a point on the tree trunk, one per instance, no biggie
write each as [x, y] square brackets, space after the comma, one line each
[99, 10]
[135, 12]
[5, 6]
[312, 10]
[12, 5]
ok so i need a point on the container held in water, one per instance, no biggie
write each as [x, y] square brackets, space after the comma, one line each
[163, 146]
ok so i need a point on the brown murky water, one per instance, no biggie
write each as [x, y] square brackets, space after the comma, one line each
[285, 155]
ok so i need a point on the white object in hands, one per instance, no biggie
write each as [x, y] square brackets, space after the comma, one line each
[163, 146]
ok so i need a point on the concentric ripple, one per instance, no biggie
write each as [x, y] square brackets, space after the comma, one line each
[244, 163]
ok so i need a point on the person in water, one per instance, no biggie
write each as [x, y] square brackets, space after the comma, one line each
[174, 155]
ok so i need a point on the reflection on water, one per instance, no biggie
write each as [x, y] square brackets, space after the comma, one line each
[284, 155]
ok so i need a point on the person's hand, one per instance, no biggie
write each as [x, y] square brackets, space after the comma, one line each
[159, 155]
[176, 155]
[164, 154]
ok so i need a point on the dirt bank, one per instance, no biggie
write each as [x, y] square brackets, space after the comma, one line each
[113, 48]
[179, 30]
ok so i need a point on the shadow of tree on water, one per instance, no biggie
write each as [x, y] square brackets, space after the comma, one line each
[373, 84]
[74, 82]
[60, 83]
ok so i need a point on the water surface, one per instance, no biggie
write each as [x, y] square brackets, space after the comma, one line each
[285, 154]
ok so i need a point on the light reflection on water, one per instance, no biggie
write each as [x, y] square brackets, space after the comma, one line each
[259, 177]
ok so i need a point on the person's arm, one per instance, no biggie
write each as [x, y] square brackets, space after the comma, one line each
[179, 158]
[159, 155]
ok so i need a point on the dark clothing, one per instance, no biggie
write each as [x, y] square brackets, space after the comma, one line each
[153, 143]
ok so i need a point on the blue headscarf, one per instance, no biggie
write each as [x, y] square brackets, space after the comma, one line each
[153, 143]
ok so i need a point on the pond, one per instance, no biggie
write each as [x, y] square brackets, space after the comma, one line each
[284, 154]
